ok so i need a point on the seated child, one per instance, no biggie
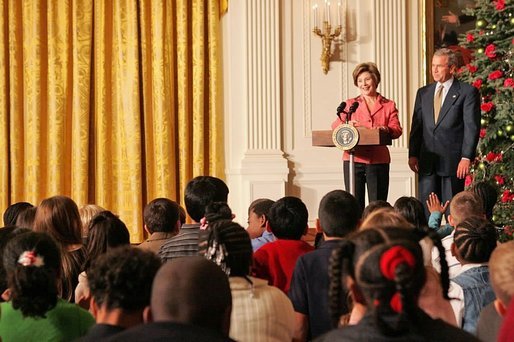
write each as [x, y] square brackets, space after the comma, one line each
[275, 261]
[383, 270]
[34, 310]
[474, 241]
[257, 221]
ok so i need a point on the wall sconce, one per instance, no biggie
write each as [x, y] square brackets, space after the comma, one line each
[326, 35]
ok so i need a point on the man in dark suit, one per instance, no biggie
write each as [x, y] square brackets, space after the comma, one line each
[445, 129]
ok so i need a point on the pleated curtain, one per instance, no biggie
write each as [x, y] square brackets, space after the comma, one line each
[109, 102]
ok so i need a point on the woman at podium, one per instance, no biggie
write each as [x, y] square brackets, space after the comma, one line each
[374, 112]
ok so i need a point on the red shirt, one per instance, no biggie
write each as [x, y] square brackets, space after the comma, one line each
[275, 261]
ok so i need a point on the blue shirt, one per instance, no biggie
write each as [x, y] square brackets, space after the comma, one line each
[262, 240]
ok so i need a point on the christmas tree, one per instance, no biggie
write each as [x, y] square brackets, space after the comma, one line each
[492, 72]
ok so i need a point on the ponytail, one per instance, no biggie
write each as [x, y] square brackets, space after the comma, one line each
[340, 263]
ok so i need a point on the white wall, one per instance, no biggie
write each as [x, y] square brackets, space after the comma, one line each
[276, 93]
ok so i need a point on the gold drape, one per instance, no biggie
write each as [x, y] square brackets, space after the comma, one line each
[109, 102]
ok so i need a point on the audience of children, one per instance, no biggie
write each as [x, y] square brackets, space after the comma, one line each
[120, 282]
[275, 261]
[257, 222]
[383, 270]
[389, 296]
[33, 309]
[161, 219]
[338, 215]
[259, 312]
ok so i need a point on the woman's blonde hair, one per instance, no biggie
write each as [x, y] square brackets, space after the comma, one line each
[87, 211]
[367, 67]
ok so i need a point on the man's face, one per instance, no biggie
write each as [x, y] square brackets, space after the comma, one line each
[440, 69]
[256, 225]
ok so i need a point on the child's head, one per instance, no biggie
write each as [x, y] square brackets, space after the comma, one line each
[32, 262]
[339, 213]
[383, 269]
[162, 215]
[501, 271]
[87, 212]
[288, 218]
[488, 193]
[258, 216]
[106, 231]
[412, 210]
[202, 191]
[463, 205]
[385, 218]
[373, 206]
[474, 240]
[13, 211]
[229, 247]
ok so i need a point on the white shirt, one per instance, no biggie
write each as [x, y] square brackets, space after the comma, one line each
[454, 266]
[446, 88]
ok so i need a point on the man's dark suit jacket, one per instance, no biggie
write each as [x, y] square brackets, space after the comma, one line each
[440, 146]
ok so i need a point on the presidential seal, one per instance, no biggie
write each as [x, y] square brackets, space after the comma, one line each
[345, 137]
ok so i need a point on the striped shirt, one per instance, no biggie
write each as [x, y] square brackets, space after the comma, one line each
[185, 243]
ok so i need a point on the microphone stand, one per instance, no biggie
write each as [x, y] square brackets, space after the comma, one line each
[351, 168]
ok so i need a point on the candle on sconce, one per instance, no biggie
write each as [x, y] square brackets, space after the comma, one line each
[339, 14]
[315, 10]
[328, 11]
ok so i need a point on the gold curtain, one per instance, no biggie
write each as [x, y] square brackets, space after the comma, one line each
[109, 102]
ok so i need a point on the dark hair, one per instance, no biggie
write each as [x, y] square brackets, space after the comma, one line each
[13, 211]
[122, 278]
[217, 211]
[475, 239]
[489, 193]
[6, 234]
[260, 206]
[288, 218]
[161, 215]
[33, 287]
[375, 205]
[229, 246]
[339, 213]
[26, 218]
[412, 210]
[360, 257]
[202, 191]
[106, 231]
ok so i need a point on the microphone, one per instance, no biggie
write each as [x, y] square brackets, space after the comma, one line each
[352, 110]
[340, 110]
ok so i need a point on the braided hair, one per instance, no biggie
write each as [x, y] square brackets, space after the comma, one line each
[391, 289]
[229, 246]
[475, 239]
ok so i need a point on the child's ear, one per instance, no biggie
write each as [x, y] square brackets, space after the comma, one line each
[500, 308]
[147, 315]
[306, 229]
[355, 292]
[268, 227]
[453, 249]
[263, 221]
[451, 221]
[319, 229]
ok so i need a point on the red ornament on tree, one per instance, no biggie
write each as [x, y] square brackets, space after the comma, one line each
[470, 38]
[495, 75]
[499, 179]
[483, 132]
[477, 84]
[468, 180]
[487, 106]
[509, 82]
[500, 5]
[472, 68]
[490, 51]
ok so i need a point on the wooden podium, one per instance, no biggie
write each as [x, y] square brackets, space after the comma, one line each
[367, 137]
